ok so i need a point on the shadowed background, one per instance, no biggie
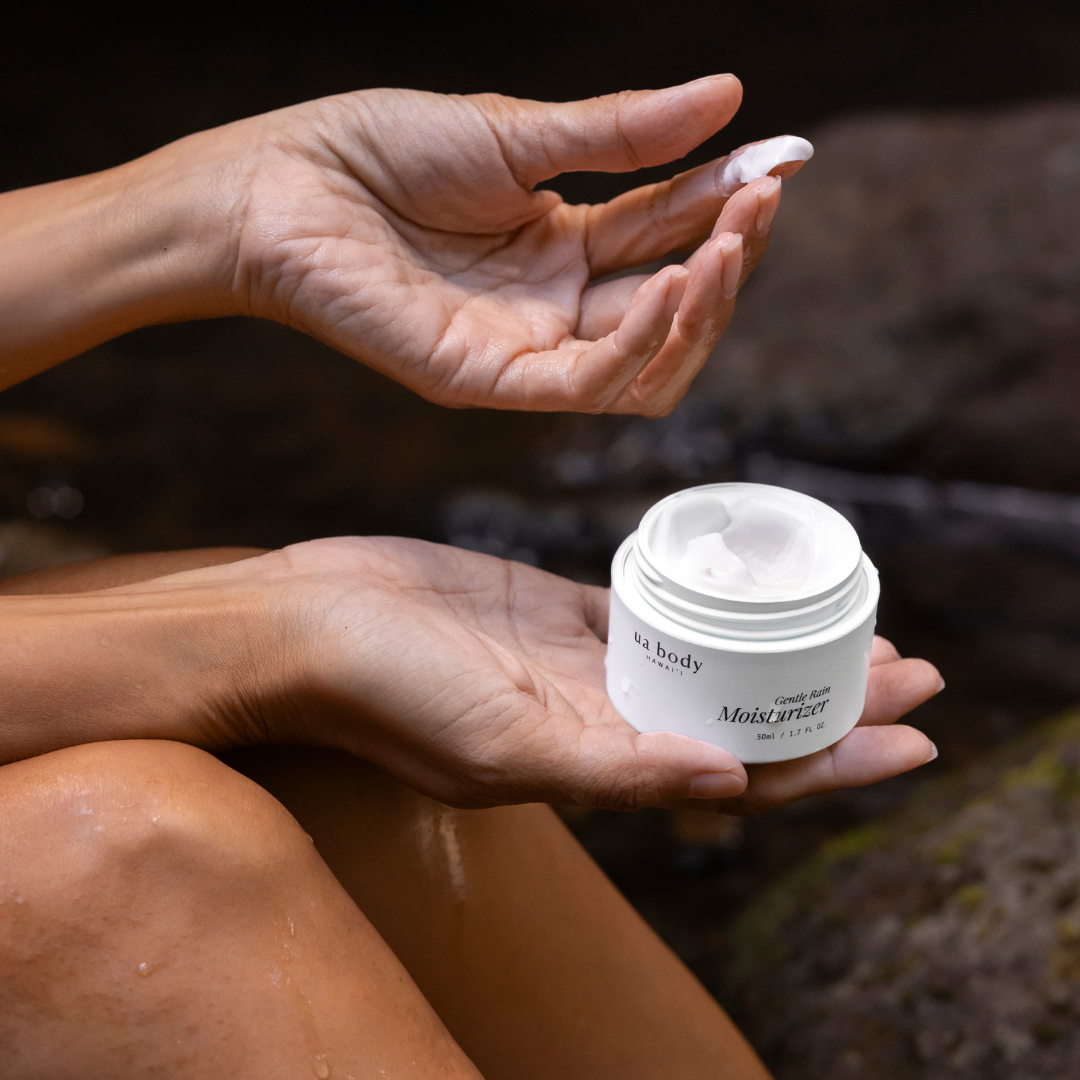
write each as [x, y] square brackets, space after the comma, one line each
[907, 351]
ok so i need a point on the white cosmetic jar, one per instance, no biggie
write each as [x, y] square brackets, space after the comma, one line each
[770, 667]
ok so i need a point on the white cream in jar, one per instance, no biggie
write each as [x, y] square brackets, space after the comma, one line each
[742, 614]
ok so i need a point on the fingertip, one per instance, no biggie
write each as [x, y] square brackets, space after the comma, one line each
[766, 185]
[678, 279]
[729, 82]
[926, 674]
[685, 759]
[731, 250]
[882, 651]
[897, 687]
[768, 203]
[786, 169]
[869, 754]
[723, 785]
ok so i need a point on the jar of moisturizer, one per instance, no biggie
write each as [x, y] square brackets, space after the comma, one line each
[742, 614]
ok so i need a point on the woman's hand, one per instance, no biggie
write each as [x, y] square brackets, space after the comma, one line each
[404, 229]
[480, 681]
[475, 680]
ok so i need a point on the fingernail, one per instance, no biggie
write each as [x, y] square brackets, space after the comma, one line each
[941, 687]
[717, 785]
[933, 754]
[768, 211]
[678, 276]
[731, 247]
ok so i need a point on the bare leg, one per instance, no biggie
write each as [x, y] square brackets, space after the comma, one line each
[160, 915]
[536, 964]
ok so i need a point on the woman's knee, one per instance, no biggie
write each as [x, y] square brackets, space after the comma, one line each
[94, 830]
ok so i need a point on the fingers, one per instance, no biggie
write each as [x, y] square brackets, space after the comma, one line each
[896, 687]
[707, 308]
[739, 240]
[602, 372]
[882, 652]
[596, 603]
[758, 235]
[864, 756]
[614, 133]
[622, 770]
[646, 363]
[603, 306]
[652, 221]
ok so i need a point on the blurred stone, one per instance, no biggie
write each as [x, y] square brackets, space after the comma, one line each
[943, 942]
[920, 302]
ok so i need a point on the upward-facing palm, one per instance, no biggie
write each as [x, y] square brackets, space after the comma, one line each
[404, 229]
[481, 681]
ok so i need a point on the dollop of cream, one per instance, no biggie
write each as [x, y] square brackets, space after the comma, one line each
[767, 546]
[759, 159]
[751, 541]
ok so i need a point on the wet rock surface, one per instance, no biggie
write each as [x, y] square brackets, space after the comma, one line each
[919, 303]
[943, 942]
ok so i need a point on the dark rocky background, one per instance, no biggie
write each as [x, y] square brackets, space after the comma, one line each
[908, 351]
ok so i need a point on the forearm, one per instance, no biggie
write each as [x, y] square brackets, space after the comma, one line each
[115, 570]
[87, 259]
[186, 661]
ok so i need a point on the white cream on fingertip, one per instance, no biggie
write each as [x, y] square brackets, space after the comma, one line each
[759, 159]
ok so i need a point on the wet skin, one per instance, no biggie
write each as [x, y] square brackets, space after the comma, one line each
[185, 924]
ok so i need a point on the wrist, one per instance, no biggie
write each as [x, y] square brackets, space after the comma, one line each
[192, 660]
[87, 259]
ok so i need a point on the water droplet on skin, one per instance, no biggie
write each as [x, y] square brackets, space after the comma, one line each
[322, 1070]
[452, 849]
[144, 970]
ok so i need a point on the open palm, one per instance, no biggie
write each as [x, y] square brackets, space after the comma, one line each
[404, 229]
[481, 681]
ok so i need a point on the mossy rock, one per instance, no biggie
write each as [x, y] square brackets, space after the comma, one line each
[941, 943]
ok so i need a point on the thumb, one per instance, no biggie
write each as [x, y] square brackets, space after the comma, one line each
[623, 770]
[616, 132]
